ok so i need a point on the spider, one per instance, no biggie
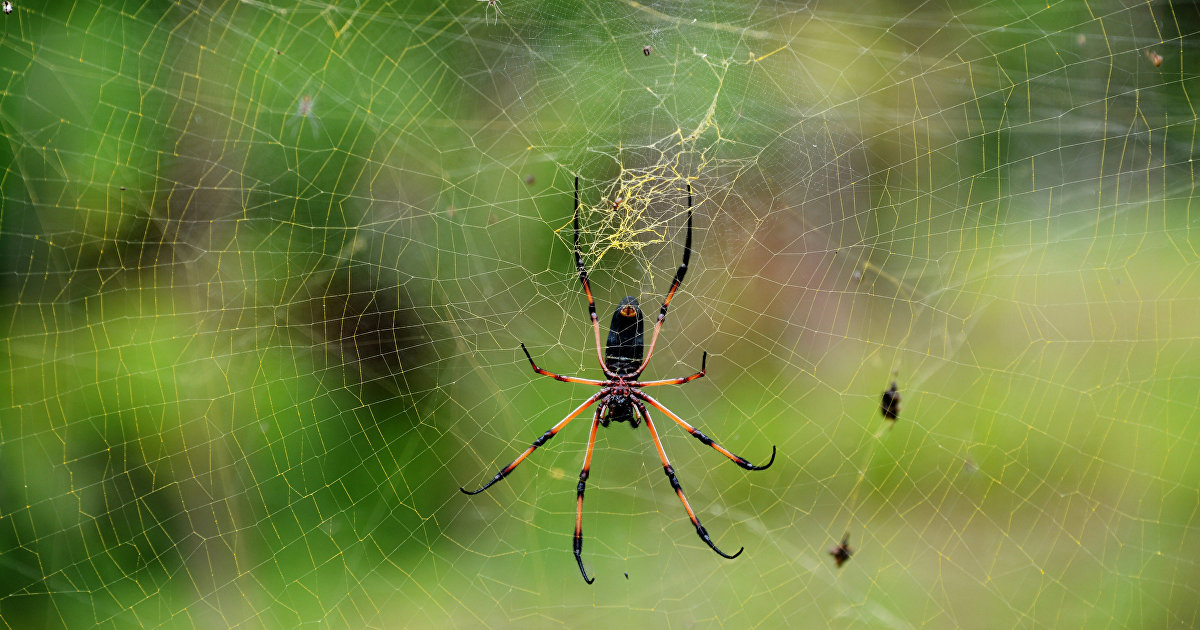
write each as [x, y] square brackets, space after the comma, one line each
[304, 111]
[491, 4]
[621, 398]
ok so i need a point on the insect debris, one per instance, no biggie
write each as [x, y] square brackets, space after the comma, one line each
[889, 405]
[842, 552]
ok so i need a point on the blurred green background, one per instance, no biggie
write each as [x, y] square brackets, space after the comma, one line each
[265, 269]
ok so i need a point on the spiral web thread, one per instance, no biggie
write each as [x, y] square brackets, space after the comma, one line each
[265, 270]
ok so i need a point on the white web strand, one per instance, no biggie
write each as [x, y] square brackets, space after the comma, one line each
[265, 271]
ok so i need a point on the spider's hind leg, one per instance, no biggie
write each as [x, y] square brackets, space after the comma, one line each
[583, 477]
[670, 472]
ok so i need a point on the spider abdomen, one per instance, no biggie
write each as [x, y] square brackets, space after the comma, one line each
[623, 354]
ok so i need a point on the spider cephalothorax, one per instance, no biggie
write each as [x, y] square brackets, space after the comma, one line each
[621, 398]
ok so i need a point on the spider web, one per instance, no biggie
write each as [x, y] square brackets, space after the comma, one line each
[265, 269]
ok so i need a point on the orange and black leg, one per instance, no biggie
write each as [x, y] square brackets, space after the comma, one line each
[662, 314]
[560, 377]
[704, 439]
[700, 531]
[583, 475]
[678, 381]
[587, 287]
[545, 437]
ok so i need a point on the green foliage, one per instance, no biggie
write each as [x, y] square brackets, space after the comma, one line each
[264, 271]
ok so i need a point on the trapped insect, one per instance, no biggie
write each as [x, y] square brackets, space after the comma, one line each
[621, 397]
[7, 7]
[842, 552]
[889, 404]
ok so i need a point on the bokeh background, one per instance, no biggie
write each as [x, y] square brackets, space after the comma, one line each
[265, 268]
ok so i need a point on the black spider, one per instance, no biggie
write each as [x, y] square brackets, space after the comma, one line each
[621, 398]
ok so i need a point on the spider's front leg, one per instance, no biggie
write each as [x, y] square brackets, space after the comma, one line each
[587, 287]
[679, 274]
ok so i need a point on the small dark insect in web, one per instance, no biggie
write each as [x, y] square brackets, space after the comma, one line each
[842, 552]
[889, 405]
[622, 397]
[626, 575]
[646, 50]
[530, 179]
[122, 188]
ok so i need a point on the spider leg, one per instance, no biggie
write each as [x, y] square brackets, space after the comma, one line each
[587, 287]
[662, 314]
[676, 381]
[583, 475]
[538, 442]
[491, 4]
[704, 439]
[559, 377]
[316, 127]
[703, 533]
